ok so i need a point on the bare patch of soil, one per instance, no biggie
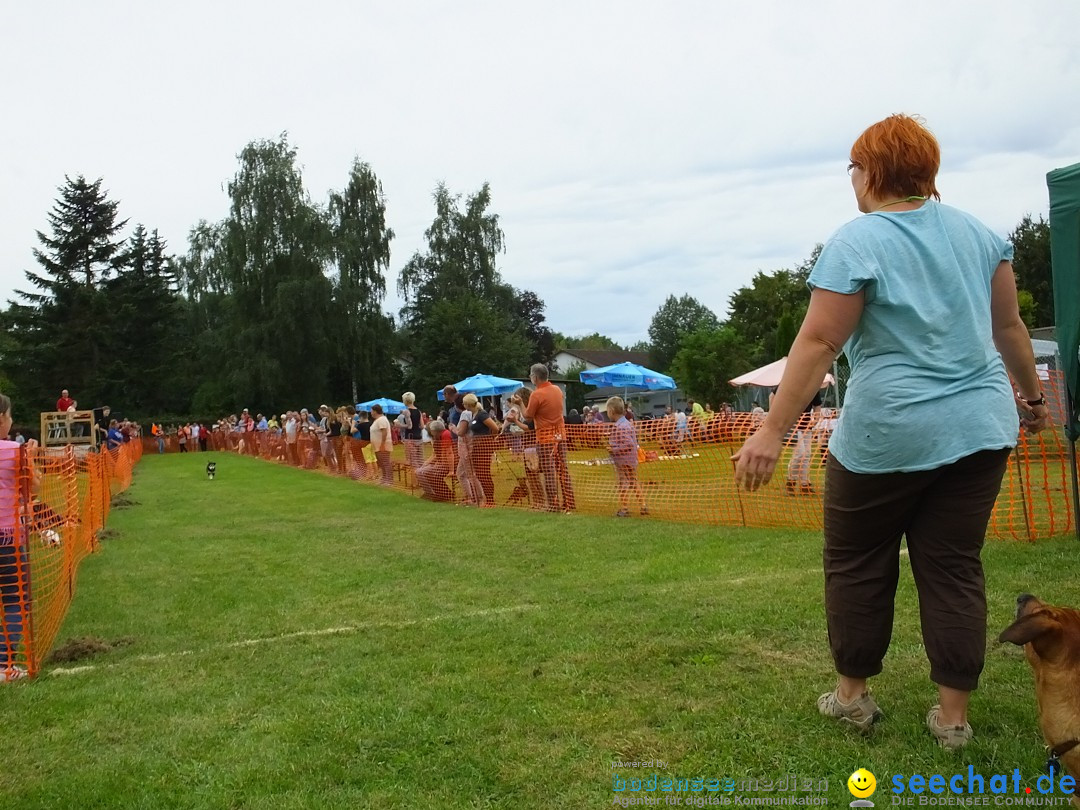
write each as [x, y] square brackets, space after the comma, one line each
[79, 649]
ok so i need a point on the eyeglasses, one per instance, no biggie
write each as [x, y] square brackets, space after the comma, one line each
[853, 166]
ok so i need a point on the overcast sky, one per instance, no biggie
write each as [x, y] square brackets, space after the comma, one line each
[635, 149]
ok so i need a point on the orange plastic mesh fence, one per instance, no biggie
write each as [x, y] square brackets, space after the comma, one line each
[682, 476]
[52, 505]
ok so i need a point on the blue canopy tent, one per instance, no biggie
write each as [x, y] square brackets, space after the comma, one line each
[484, 385]
[388, 405]
[628, 375]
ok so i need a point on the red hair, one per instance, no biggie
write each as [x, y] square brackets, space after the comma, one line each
[899, 156]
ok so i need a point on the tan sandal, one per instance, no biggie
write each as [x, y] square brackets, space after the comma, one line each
[862, 712]
[951, 737]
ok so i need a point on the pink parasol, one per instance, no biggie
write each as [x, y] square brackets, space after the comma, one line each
[769, 376]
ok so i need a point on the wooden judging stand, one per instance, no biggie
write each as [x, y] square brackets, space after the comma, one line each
[61, 428]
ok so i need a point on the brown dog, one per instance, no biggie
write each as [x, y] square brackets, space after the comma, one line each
[1050, 637]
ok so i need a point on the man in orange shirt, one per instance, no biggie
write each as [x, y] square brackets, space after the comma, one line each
[159, 436]
[545, 409]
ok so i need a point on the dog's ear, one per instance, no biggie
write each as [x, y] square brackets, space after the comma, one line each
[1029, 628]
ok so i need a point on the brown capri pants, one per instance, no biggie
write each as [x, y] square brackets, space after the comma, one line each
[944, 513]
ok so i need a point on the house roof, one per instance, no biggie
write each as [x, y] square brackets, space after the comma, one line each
[608, 357]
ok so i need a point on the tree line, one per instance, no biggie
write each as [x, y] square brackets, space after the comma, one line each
[281, 303]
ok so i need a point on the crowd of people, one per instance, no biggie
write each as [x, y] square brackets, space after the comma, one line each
[464, 435]
[532, 426]
[355, 442]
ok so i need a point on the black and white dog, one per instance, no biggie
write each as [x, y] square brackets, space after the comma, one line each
[211, 469]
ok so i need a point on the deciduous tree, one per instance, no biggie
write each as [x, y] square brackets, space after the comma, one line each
[593, 342]
[361, 251]
[276, 248]
[676, 318]
[456, 320]
[786, 329]
[754, 311]
[145, 345]
[1031, 261]
[707, 359]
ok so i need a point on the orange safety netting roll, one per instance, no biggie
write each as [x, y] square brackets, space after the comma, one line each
[52, 505]
[680, 475]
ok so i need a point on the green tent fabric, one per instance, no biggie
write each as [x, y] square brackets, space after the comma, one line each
[1064, 185]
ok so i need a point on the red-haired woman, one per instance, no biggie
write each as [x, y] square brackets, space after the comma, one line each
[922, 299]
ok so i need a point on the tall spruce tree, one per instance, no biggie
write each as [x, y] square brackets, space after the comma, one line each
[84, 244]
[144, 362]
[61, 330]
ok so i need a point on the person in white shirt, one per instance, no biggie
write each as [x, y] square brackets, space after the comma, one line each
[682, 431]
[292, 424]
[382, 443]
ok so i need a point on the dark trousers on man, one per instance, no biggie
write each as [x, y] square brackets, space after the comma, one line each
[944, 514]
[556, 475]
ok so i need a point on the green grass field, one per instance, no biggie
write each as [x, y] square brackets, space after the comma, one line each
[290, 640]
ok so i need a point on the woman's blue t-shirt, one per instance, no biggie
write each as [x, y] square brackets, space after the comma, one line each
[927, 385]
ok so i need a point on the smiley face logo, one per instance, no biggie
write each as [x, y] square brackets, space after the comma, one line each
[862, 783]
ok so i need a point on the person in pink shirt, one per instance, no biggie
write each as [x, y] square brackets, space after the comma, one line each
[14, 559]
[623, 446]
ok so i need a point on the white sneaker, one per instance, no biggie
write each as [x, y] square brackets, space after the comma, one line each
[12, 673]
[50, 537]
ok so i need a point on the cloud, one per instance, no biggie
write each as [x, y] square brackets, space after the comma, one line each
[635, 150]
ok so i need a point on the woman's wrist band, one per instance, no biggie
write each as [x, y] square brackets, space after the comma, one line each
[1035, 403]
